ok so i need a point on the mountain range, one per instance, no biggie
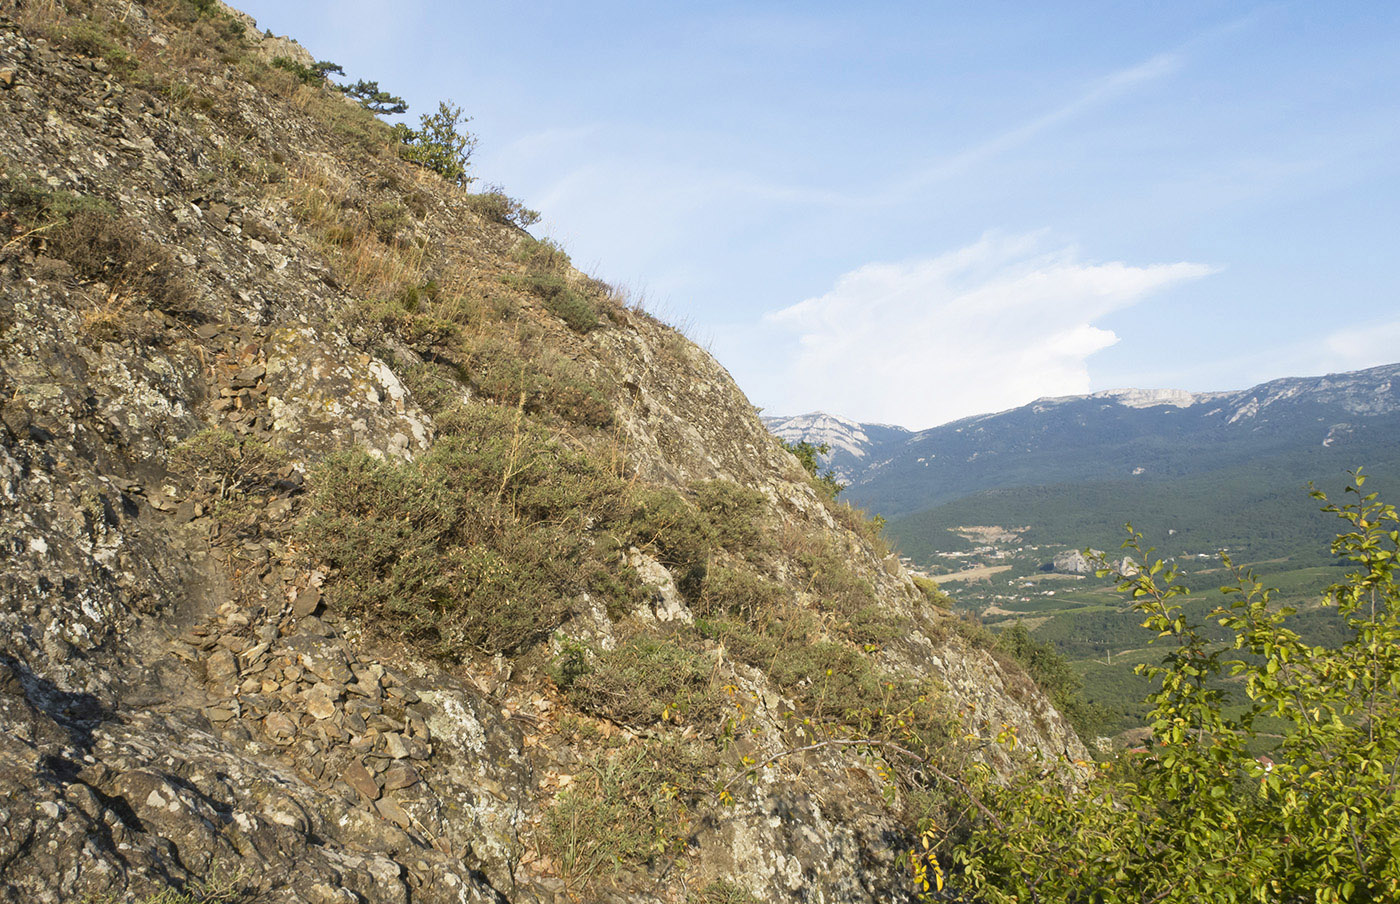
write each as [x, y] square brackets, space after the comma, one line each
[1155, 445]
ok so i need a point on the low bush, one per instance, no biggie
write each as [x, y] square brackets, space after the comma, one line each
[932, 592]
[492, 203]
[316, 74]
[560, 299]
[737, 514]
[544, 382]
[733, 591]
[625, 810]
[228, 470]
[666, 526]
[643, 681]
[837, 689]
[481, 544]
[1054, 675]
[541, 255]
[722, 892]
[97, 241]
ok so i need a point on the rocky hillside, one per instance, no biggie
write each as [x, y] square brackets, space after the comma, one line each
[356, 548]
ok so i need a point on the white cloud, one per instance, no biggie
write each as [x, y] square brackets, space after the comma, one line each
[986, 327]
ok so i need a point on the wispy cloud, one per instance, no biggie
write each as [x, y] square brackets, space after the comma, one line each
[989, 326]
[1103, 91]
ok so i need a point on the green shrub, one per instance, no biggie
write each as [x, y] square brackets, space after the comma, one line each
[1197, 816]
[228, 470]
[95, 239]
[439, 143]
[836, 688]
[737, 514]
[541, 255]
[481, 544]
[543, 383]
[1054, 675]
[643, 681]
[316, 74]
[493, 204]
[560, 299]
[372, 98]
[664, 525]
[932, 592]
[224, 465]
[808, 456]
[722, 892]
[739, 593]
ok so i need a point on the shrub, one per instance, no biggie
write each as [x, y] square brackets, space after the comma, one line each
[439, 143]
[932, 592]
[737, 514]
[98, 242]
[543, 383]
[643, 681]
[722, 892]
[495, 205]
[1197, 817]
[372, 98]
[666, 526]
[228, 469]
[739, 593]
[481, 544]
[624, 810]
[561, 299]
[808, 456]
[224, 465]
[316, 74]
[541, 255]
[1054, 675]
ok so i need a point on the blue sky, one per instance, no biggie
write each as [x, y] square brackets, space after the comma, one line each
[913, 212]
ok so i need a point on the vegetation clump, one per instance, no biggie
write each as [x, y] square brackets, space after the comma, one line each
[808, 455]
[1053, 675]
[625, 809]
[645, 680]
[546, 277]
[440, 143]
[494, 204]
[96, 241]
[480, 545]
[1198, 814]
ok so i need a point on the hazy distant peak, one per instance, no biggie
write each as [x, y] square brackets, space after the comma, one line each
[1135, 398]
[850, 441]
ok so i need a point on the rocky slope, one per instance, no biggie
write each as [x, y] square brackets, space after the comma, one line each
[245, 349]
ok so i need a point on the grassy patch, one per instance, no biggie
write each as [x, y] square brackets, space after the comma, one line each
[495, 205]
[721, 892]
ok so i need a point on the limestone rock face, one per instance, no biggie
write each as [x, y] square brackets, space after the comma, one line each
[182, 697]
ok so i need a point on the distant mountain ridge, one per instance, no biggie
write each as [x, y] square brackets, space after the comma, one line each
[1304, 424]
[851, 443]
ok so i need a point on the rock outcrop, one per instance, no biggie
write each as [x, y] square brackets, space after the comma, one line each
[185, 696]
